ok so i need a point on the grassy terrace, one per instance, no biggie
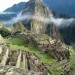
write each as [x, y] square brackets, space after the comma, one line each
[72, 60]
[51, 63]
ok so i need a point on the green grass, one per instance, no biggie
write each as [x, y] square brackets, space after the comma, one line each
[17, 41]
[45, 58]
[72, 60]
[49, 61]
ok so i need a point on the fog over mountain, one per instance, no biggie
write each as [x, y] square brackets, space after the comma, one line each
[7, 13]
[59, 22]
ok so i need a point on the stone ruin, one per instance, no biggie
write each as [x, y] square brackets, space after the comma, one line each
[20, 63]
[54, 48]
[1, 40]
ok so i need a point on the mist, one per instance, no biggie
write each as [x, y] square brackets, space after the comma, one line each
[20, 17]
[7, 13]
[59, 22]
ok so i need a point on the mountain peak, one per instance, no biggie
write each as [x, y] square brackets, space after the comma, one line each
[38, 11]
[37, 7]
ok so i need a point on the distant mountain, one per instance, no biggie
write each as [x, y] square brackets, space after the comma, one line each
[6, 16]
[59, 6]
[59, 10]
[11, 12]
[16, 8]
[62, 6]
[68, 33]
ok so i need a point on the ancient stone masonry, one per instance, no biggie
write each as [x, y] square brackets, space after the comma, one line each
[20, 63]
[60, 56]
[47, 45]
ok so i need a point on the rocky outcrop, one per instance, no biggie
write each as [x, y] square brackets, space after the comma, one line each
[18, 27]
[38, 12]
[39, 22]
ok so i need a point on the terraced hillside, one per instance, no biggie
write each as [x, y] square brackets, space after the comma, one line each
[56, 67]
[26, 61]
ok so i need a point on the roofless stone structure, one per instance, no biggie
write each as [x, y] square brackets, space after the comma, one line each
[20, 63]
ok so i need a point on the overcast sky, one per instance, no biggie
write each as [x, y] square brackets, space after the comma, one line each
[8, 3]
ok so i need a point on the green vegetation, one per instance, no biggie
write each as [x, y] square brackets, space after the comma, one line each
[45, 58]
[67, 53]
[71, 53]
[23, 41]
[4, 32]
[72, 60]
[19, 27]
[17, 43]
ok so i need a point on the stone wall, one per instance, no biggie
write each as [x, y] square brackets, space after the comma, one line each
[20, 63]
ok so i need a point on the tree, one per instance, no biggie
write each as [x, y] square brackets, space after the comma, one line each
[4, 32]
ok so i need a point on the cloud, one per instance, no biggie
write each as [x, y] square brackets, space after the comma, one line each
[59, 22]
[7, 13]
[20, 17]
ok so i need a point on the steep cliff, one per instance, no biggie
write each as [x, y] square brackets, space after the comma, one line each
[38, 12]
